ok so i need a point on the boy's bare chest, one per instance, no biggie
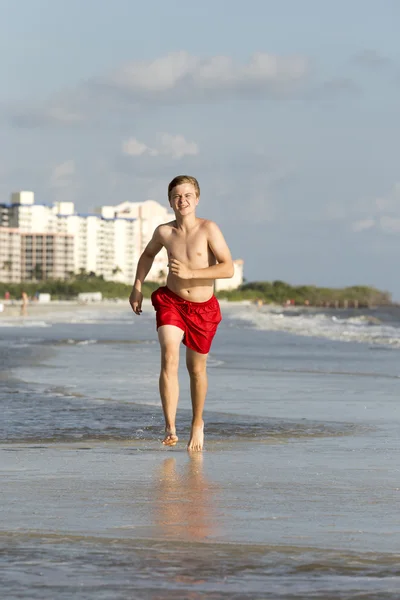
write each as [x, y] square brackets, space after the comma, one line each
[188, 248]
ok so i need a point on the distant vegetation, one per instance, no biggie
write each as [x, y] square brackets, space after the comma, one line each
[277, 292]
[67, 290]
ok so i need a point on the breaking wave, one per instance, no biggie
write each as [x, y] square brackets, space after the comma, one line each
[362, 328]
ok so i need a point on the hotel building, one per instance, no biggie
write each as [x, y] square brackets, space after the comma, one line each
[54, 241]
[10, 255]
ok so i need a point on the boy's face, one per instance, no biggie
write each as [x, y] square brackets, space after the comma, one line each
[183, 199]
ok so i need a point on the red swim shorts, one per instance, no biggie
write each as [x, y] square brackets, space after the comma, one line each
[198, 320]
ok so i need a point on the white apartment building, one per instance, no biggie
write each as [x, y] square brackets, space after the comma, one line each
[148, 215]
[34, 256]
[107, 242]
[234, 282]
[46, 256]
[10, 255]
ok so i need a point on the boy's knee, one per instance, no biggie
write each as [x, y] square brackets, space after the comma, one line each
[196, 370]
[169, 359]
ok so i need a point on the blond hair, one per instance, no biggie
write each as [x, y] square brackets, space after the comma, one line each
[184, 179]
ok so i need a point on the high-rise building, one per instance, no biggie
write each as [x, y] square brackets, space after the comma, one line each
[147, 215]
[54, 241]
[10, 255]
[233, 282]
[107, 242]
[46, 256]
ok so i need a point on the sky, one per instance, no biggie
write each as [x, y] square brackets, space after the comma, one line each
[287, 112]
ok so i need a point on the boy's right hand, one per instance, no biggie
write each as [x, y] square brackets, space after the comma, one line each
[135, 300]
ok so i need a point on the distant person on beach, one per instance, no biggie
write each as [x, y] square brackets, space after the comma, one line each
[186, 308]
[24, 304]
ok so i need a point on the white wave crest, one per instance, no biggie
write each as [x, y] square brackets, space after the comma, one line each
[23, 323]
[81, 342]
[362, 328]
[214, 362]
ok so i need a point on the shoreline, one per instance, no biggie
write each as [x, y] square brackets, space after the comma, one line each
[12, 308]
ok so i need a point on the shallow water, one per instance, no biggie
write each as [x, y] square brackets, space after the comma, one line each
[296, 496]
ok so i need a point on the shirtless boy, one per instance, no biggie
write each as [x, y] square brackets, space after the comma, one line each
[186, 308]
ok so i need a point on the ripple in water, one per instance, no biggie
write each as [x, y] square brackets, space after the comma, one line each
[67, 566]
[56, 414]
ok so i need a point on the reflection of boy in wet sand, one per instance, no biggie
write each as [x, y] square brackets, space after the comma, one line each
[183, 501]
[186, 308]
[24, 304]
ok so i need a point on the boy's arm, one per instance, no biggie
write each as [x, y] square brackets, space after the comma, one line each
[144, 266]
[223, 270]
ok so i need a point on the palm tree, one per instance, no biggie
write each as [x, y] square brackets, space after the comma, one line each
[37, 272]
[83, 274]
[162, 276]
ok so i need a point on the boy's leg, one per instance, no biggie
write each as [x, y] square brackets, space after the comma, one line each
[196, 365]
[170, 338]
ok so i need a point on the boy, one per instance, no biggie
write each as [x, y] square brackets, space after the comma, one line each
[186, 308]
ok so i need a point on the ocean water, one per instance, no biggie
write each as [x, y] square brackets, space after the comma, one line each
[297, 494]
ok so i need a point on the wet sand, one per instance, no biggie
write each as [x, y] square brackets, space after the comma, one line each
[141, 521]
[43, 309]
[296, 495]
[269, 493]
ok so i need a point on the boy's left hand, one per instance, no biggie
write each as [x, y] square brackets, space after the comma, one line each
[179, 269]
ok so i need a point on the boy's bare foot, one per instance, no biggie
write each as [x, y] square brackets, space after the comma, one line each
[170, 437]
[196, 441]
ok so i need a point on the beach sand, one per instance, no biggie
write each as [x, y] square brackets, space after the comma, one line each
[37, 309]
[296, 495]
[233, 522]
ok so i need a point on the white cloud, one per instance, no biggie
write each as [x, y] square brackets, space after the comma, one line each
[391, 202]
[62, 173]
[335, 211]
[176, 146]
[362, 225]
[371, 59]
[390, 224]
[383, 212]
[158, 75]
[133, 147]
[54, 113]
[62, 183]
[65, 115]
[178, 77]
[182, 71]
[173, 146]
[340, 85]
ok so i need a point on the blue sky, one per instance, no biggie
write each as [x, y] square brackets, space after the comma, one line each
[286, 111]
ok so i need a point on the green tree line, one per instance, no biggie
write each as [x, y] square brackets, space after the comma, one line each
[279, 292]
[268, 292]
[67, 290]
